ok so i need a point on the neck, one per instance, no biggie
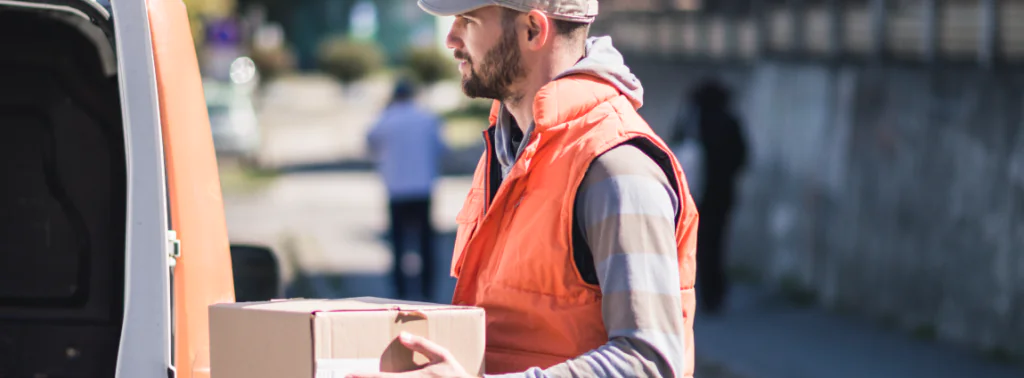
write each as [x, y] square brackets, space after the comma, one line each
[520, 104]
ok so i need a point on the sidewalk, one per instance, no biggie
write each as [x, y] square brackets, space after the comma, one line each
[762, 337]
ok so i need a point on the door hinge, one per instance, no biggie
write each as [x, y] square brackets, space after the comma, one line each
[173, 247]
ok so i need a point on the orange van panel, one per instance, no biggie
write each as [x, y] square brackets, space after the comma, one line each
[203, 273]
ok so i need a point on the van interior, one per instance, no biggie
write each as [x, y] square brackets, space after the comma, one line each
[63, 195]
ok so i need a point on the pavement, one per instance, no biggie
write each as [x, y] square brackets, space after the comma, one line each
[762, 335]
[323, 211]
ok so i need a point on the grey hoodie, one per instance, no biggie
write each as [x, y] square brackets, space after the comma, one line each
[601, 60]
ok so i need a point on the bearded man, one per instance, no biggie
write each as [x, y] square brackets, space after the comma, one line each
[578, 236]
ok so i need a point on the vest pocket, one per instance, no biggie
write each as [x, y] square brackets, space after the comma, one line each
[468, 219]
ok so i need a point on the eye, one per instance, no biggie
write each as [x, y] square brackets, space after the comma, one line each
[470, 19]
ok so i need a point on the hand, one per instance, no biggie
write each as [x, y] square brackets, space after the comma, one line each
[442, 364]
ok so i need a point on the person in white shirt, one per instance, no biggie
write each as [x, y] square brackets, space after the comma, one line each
[407, 146]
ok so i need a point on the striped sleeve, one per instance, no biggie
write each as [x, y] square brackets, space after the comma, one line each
[626, 208]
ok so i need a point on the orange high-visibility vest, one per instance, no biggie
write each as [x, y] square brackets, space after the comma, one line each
[514, 253]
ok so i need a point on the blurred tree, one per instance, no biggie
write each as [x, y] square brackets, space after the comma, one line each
[348, 60]
[308, 23]
[429, 65]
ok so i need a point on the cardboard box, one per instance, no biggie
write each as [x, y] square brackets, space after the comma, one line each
[304, 338]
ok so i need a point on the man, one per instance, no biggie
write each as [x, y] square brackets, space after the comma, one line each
[406, 143]
[578, 236]
[725, 155]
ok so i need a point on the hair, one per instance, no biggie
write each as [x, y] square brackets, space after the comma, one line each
[404, 90]
[572, 30]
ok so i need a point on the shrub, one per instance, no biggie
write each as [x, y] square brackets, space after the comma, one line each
[272, 62]
[429, 65]
[476, 108]
[349, 60]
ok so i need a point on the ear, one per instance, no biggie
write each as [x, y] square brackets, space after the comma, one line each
[539, 29]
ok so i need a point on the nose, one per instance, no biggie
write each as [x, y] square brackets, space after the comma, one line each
[452, 41]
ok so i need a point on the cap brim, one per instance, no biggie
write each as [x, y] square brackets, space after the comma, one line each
[452, 7]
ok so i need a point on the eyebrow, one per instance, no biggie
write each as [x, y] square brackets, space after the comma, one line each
[472, 15]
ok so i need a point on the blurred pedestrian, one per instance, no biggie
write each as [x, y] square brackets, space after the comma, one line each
[407, 146]
[724, 155]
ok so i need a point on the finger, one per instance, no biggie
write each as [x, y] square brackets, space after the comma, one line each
[434, 352]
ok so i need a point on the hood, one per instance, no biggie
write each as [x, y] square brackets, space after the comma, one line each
[605, 62]
[602, 62]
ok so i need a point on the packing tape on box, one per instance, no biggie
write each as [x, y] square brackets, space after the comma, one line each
[414, 322]
[340, 367]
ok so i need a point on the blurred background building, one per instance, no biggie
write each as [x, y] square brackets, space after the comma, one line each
[887, 153]
[885, 182]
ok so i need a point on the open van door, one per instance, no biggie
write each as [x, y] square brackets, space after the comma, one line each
[203, 273]
[110, 196]
[164, 96]
[84, 273]
[145, 347]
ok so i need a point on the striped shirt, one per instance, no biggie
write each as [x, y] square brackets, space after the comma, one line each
[626, 209]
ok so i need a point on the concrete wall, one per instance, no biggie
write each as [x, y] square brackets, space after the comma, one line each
[892, 192]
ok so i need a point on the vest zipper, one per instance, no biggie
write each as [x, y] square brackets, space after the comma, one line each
[490, 186]
[493, 176]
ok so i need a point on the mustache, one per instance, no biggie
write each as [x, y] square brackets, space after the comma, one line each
[462, 56]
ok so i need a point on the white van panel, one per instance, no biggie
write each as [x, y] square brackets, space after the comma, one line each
[145, 349]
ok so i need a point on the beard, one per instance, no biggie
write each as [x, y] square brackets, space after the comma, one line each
[502, 65]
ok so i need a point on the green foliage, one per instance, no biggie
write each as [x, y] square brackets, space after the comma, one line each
[273, 62]
[477, 108]
[429, 65]
[745, 274]
[925, 332]
[1002, 355]
[795, 291]
[349, 60]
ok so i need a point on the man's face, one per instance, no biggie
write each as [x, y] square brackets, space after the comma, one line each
[490, 58]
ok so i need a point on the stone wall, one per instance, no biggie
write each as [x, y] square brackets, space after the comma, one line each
[892, 192]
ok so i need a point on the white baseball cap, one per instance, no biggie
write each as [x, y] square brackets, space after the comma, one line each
[584, 11]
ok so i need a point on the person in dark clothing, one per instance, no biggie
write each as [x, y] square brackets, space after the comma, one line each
[412, 217]
[725, 155]
[407, 146]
